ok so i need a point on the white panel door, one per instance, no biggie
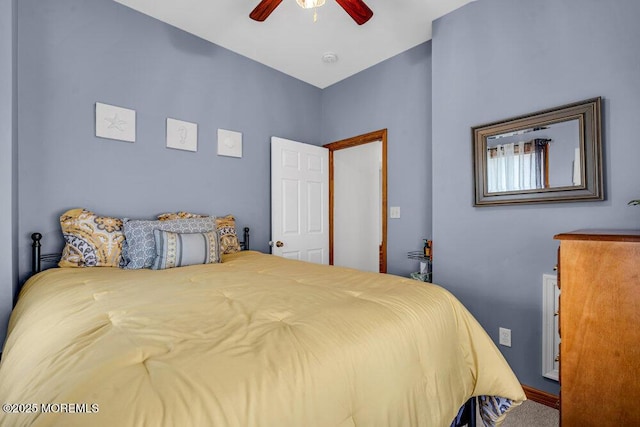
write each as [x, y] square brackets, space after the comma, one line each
[299, 201]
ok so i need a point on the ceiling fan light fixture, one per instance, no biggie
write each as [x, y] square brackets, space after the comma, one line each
[357, 9]
[308, 4]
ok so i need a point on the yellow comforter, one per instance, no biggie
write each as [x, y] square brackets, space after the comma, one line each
[255, 341]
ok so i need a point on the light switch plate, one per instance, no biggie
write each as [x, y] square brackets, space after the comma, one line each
[394, 212]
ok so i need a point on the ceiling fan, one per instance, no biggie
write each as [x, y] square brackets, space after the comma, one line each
[357, 9]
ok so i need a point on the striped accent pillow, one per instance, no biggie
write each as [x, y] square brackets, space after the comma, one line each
[181, 249]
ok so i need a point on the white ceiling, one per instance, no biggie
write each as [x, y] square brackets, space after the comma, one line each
[292, 43]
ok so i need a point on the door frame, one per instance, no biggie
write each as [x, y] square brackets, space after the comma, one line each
[378, 135]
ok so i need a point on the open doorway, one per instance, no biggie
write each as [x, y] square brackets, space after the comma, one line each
[358, 202]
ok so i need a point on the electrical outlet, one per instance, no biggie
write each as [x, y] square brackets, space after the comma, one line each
[505, 337]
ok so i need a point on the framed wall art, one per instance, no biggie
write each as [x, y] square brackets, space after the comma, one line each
[115, 122]
[229, 143]
[182, 135]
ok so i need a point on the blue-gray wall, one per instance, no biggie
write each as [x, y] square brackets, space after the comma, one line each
[489, 60]
[73, 53]
[495, 59]
[395, 94]
[8, 164]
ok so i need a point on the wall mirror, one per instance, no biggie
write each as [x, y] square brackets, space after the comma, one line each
[553, 155]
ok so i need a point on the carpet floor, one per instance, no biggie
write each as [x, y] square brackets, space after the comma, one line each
[532, 414]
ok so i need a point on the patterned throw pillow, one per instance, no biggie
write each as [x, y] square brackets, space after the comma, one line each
[226, 227]
[182, 249]
[141, 246]
[179, 215]
[91, 240]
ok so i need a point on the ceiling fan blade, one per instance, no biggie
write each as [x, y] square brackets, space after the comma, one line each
[359, 11]
[264, 9]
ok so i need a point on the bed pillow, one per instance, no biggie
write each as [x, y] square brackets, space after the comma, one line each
[182, 249]
[141, 247]
[226, 227]
[179, 215]
[91, 240]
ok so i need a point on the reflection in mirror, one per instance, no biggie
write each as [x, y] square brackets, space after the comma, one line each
[551, 155]
[534, 158]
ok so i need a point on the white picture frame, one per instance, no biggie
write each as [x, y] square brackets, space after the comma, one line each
[113, 122]
[229, 143]
[182, 135]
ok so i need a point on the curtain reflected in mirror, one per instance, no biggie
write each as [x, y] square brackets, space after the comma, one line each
[518, 166]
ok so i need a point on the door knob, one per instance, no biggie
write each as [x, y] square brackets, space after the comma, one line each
[279, 244]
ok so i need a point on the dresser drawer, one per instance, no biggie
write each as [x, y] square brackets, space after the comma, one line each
[599, 321]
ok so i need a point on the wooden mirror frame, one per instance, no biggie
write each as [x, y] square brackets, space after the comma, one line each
[587, 113]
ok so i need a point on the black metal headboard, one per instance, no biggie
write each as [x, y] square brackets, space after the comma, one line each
[245, 243]
[37, 258]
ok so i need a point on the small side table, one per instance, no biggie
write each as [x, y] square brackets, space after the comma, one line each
[425, 272]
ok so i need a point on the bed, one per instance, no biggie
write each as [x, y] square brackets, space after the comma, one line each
[254, 340]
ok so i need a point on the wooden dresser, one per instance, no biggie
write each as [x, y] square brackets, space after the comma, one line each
[599, 280]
